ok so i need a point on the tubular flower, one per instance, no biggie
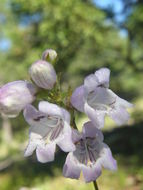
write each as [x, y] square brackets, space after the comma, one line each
[14, 97]
[43, 74]
[90, 156]
[97, 100]
[49, 126]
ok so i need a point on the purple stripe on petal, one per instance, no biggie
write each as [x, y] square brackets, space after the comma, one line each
[56, 132]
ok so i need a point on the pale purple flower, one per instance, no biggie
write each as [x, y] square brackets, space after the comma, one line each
[50, 125]
[43, 74]
[14, 96]
[97, 100]
[90, 156]
[49, 55]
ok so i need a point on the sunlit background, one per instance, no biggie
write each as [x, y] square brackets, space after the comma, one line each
[87, 35]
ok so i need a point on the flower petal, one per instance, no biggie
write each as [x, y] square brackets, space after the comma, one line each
[46, 153]
[66, 115]
[91, 173]
[108, 161]
[71, 168]
[89, 130]
[102, 97]
[37, 120]
[77, 98]
[90, 83]
[50, 109]
[32, 116]
[119, 115]
[34, 140]
[103, 76]
[96, 117]
[67, 137]
[30, 149]
[76, 135]
[66, 144]
[124, 103]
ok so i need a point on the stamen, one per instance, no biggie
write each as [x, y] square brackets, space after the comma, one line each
[87, 151]
[91, 156]
[53, 121]
[56, 132]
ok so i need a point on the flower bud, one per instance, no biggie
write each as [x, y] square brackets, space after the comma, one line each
[14, 97]
[43, 74]
[49, 55]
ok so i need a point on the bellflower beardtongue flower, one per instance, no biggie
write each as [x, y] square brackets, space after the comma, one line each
[14, 97]
[43, 74]
[90, 156]
[49, 126]
[96, 99]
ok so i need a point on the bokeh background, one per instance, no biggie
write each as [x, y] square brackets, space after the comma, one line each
[87, 35]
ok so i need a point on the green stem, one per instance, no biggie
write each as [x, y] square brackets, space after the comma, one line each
[95, 185]
[73, 119]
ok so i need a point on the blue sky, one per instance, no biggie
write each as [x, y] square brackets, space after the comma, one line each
[117, 7]
[115, 4]
[4, 44]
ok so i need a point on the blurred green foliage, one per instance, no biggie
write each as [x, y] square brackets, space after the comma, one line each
[86, 38]
[82, 34]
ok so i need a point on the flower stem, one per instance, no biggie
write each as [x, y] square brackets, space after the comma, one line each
[95, 185]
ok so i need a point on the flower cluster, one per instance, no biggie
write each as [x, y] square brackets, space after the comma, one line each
[51, 124]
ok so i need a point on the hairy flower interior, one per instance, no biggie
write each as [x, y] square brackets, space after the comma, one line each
[87, 151]
[101, 101]
[54, 126]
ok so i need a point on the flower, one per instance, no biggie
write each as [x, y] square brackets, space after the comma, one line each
[90, 156]
[49, 55]
[97, 100]
[43, 74]
[49, 126]
[14, 96]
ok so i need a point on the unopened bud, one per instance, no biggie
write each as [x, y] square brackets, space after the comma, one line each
[49, 55]
[43, 74]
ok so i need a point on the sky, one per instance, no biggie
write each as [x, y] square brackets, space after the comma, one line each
[4, 44]
[115, 4]
[117, 8]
